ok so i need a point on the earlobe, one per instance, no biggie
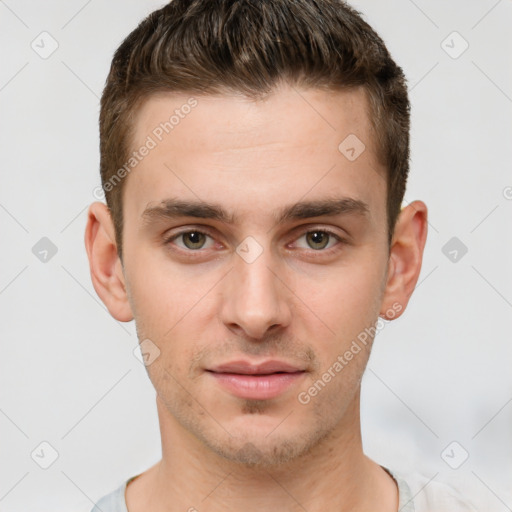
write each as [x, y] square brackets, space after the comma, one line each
[406, 256]
[104, 263]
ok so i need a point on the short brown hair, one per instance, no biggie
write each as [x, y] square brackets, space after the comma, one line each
[249, 47]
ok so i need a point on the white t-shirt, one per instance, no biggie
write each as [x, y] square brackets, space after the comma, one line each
[416, 494]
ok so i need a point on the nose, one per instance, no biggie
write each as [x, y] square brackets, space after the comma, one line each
[255, 298]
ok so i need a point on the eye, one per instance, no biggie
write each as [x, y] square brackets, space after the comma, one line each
[318, 240]
[192, 240]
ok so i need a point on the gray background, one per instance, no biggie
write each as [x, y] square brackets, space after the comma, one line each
[69, 377]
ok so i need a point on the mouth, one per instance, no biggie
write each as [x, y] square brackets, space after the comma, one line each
[251, 381]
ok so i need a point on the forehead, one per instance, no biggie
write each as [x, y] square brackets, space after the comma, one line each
[308, 115]
[251, 154]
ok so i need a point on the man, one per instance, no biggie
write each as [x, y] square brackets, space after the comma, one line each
[254, 157]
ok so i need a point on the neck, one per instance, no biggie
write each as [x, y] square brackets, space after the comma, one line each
[333, 475]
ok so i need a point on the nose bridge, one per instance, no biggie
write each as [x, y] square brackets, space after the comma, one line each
[255, 299]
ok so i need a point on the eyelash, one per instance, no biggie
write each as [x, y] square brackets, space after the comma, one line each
[197, 253]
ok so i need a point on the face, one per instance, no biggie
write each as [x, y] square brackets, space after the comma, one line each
[255, 254]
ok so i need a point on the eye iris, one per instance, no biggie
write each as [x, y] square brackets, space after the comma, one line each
[317, 239]
[194, 240]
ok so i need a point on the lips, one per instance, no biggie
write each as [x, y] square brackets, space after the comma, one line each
[256, 381]
[247, 368]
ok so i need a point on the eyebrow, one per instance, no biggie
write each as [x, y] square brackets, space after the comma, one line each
[175, 208]
[323, 207]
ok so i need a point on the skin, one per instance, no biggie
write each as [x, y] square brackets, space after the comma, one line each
[296, 302]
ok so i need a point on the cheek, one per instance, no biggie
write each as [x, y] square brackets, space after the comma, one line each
[162, 318]
[349, 300]
[162, 298]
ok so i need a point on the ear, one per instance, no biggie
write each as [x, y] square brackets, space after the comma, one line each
[406, 255]
[104, 263]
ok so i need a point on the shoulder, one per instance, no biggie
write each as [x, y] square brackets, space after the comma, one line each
[113, 502]
[421, 494]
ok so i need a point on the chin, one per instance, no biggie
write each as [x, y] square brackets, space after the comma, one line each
[262, 448]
